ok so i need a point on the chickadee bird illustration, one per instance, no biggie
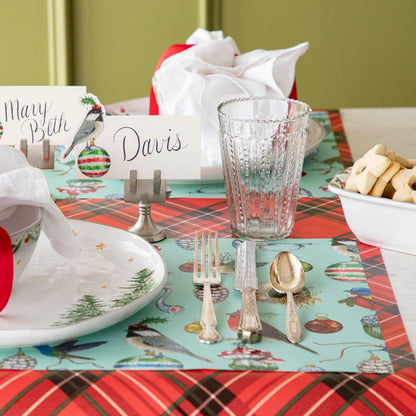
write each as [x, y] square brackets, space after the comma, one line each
[345, 247]
[90, 128]
[142, 337]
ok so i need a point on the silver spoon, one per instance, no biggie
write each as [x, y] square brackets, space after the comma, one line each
[287, 276]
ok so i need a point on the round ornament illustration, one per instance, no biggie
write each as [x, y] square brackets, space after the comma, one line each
[19, 361]
[371, 326]
[375, 365]
[94, 161]
[323, 325]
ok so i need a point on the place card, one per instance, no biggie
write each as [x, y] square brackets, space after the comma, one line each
[171, 144]
[106, 147]
[37, 113]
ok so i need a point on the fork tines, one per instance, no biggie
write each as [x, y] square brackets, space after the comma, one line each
[208, 321]
[200, 277]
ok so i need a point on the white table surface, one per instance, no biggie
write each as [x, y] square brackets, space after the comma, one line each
[396, 129]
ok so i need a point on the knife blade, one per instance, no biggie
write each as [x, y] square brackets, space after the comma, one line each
[249, 327]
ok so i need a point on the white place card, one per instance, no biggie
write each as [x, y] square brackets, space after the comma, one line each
[36, 113]
[104, 146]
[143, 143]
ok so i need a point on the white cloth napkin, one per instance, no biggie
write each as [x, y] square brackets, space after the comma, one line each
[22, 184]
[197, 80]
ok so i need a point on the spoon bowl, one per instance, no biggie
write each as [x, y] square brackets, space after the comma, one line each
[287, 276]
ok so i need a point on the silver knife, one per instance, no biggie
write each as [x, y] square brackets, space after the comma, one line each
[249, 327]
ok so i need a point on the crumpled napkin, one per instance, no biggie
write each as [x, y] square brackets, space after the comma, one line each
[197, 80]
[22, 184]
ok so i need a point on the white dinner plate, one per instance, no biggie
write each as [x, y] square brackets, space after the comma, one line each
[140, 106]
[57, 299]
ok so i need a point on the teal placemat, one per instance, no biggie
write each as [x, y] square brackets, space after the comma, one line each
[340, 332]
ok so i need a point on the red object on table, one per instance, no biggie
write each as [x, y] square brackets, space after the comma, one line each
[6, 264]
[172, 50]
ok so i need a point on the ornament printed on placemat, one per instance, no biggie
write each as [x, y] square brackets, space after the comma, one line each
[19, 361]
[77, 187]
[322, 324]
[194, 327]
[375, 365]
[371, 326]
[164, 307]
[311, 368]
[246, 358]
[350, 271]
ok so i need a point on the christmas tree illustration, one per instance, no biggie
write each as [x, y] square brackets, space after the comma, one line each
[87, 307]
[140, 283]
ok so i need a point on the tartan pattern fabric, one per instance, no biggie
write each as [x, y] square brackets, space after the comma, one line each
[210, 392]
[181, 216]
[203, 392]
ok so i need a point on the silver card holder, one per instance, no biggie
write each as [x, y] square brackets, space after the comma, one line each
[40, 156]
[146, 191]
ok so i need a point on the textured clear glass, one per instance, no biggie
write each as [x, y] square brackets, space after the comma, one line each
[262, 148]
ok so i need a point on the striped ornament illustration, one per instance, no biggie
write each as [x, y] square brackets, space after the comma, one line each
[350, 271]
[94, 161]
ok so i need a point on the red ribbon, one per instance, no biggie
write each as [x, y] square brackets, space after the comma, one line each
[6, 268]
[172, 50]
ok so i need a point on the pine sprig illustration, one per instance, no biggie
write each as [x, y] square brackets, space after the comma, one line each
[86, 307]
[140, 283]
[153, 320]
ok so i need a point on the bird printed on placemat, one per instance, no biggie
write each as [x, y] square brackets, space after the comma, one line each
[90, 128]
[151, 340]
[347, 247]
[65, 351]
[269, 331]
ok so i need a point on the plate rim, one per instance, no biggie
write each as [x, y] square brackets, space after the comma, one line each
[9, 337]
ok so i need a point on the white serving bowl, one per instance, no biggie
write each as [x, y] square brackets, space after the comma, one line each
[23, 227]
[380, 222]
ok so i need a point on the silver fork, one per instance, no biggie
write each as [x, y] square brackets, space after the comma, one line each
[209, 334]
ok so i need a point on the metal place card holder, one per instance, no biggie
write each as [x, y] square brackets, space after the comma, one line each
[146, 191]
[39, 156]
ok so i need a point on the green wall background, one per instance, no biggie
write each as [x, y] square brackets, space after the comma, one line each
[23, 42]
[362, 52]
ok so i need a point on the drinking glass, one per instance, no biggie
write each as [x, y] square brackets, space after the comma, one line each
[262, 143]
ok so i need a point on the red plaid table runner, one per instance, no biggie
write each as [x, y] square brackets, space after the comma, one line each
[227, 392]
